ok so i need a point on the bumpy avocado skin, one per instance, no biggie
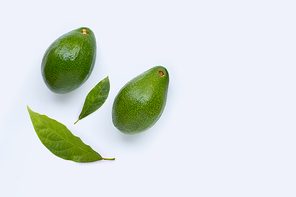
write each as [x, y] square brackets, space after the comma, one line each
[69, 60]
[141, 101]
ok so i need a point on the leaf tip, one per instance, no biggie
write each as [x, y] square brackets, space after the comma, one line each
[106, 78]
[29, 110]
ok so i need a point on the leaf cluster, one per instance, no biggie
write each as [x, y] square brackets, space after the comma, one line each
[59, 140]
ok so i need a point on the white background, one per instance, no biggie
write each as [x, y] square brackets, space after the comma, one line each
[228, 128]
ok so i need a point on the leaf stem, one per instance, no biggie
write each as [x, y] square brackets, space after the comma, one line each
[108, 158]
[76, 121]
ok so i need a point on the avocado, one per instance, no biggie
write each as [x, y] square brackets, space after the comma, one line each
[69, 60]
[141, 101]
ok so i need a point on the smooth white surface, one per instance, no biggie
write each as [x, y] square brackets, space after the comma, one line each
[229, 125]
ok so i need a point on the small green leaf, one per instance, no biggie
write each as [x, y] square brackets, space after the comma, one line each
[58, 139]
[95, 98]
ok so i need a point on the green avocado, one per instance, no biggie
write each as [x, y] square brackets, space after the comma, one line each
[141, 101]
[69, 60]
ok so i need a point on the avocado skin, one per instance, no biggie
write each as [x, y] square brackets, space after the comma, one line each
[69, 61]
[141, 101]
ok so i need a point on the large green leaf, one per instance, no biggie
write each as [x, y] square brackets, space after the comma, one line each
[95, 98]
[57, 138]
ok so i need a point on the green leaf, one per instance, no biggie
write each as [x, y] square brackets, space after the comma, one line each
[95, 98]
[58, 139]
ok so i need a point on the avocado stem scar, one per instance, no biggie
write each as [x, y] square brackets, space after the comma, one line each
[161, 73]
[84, 31]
